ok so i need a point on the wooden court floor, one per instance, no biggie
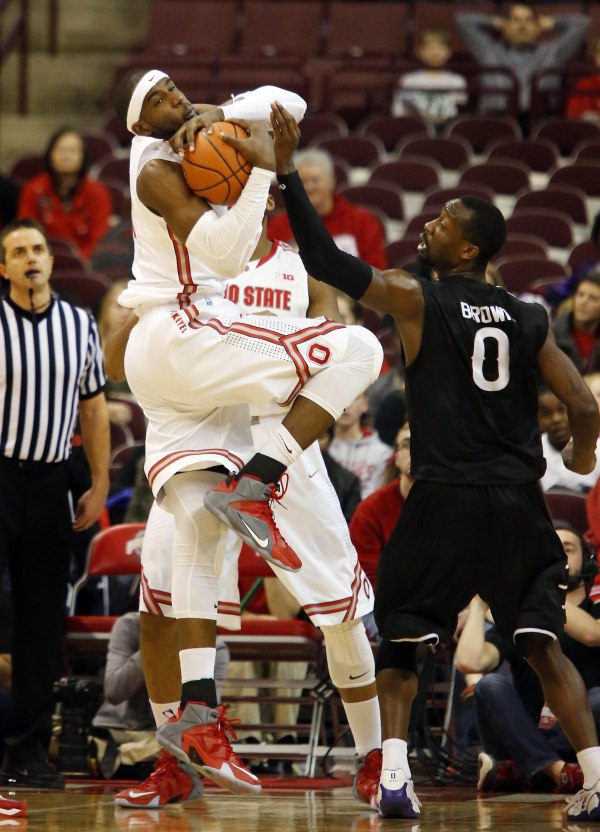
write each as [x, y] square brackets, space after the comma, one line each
[85, 808]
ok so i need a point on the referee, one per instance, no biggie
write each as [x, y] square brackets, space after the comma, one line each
[51, 370]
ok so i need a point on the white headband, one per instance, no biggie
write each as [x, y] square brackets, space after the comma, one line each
[143, 87]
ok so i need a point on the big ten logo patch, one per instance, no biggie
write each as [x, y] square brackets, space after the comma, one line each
[319, 354]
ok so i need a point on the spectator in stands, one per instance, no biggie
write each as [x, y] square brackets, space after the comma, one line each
[514, 42]
[554, 425]
[578, 332]
[378, 513]
[584, 101]
[124, 726]
[9, 198]
[593, 382]
[346, 484]
[63, 198]
[354, 229]
[359, 448]
[433, 92]
[523, 745]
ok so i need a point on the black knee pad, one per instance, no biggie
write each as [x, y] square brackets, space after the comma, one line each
[400, 655]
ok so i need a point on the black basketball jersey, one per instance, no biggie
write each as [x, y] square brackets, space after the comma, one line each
[472, 389]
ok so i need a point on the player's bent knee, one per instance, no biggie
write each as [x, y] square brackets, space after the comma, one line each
[349, 654]
[365, 350]
[397, 655]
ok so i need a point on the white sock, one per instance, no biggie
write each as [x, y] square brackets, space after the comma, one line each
[163, 711]
[365, 723]
[281, 446]
[197, 663]
[589, 760]
[395, 755]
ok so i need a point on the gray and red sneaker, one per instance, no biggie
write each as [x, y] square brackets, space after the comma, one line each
[571, 779]
[172, 781]
[199, 735]
[366, 778]
[244, 505]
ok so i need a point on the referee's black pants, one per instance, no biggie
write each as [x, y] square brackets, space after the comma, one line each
[35, 544]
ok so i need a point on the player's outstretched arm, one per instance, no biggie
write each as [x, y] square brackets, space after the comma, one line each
[393, 291]
[565, 381]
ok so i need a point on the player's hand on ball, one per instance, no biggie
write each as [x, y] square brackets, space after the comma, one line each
[287, 136]
[257, 148]
[184, 138]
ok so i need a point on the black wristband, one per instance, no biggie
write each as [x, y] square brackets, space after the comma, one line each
[322, 259]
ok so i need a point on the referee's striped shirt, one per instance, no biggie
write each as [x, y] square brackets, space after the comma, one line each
[48, 362]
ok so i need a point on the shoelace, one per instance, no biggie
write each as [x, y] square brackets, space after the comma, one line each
[166, 764]
[224, 730]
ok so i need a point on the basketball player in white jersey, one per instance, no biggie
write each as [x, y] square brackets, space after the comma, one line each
[189, 358]
[331, 587]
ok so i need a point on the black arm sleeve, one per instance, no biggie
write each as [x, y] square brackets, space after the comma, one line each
[320, 255]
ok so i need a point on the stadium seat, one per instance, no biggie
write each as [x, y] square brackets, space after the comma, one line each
[555, 227]
[25, 167]
[358, 89]
[539, 155]
[518, 272]
[86, 290]
[384, 196]
[69, 262]
[115, 166]
[415, 173]
[277, 27]
[98, 145]
[450, 154]
[235, 74]
[569, 506]
[584, 252]
[481, 131]
[583, 175]
[501, 177]
[392, 129]
[380, 29]
[401, 252]
[112, 551]
[565, 198]
[587, 150]
[435, 198]
[318, 125]
[182, 27]
[565, 133]
[526, 245]
[358, 151]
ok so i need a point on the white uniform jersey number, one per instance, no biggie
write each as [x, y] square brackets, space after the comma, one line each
[502, 361]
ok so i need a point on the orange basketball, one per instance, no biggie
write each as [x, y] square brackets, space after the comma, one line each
[214, 170]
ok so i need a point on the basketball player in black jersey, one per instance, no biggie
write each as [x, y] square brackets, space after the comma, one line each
[475, 520]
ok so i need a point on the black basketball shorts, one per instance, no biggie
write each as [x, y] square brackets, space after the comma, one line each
[455, 541]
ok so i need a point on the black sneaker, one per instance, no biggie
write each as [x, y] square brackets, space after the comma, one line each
[37, 773]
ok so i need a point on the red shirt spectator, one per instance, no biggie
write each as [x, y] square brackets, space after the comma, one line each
[63, 199]
[354, 229]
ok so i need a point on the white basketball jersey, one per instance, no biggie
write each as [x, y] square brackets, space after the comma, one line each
[165, 271]
[277, 283]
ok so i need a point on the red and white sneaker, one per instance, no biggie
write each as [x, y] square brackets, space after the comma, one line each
[366, 779]
[244, 505]
[199, 736]
[171, 782]
[12, 808]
